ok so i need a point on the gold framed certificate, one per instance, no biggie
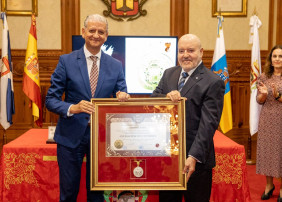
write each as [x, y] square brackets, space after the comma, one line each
[138, 144]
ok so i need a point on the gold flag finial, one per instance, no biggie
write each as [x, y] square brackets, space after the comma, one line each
[219, 12]
[255, 12]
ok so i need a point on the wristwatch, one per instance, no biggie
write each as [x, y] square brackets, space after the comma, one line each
[278, 96]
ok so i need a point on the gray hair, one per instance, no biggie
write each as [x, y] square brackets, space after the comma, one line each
[96, 18]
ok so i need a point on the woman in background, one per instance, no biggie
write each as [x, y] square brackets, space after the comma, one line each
[269, 142]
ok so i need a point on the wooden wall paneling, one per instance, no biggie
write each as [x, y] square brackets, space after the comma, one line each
[236, 105]
[243, 105]
[179, 17]
[279, 23]
[271, 23]
[47, 62]
[70, 20]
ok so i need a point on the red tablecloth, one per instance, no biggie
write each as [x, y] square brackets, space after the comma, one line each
[29, 171]
[229, 181]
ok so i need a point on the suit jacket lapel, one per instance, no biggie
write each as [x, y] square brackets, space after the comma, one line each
[174, 79]
[193, 79]
[81, 60]
[102, 72]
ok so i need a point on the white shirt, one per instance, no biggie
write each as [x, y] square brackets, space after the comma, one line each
[190, 73]
[89, 62]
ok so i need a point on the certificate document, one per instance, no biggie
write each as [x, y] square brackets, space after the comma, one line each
[138, 134]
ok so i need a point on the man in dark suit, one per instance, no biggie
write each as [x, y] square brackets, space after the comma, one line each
[81, 75]
[204, 93]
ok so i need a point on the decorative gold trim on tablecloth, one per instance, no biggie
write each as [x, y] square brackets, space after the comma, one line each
[49, 158]
[229, 169]
[236, 200]
[54, 158]
[19, 168]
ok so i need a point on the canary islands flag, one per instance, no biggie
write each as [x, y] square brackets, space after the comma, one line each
[7, 107]
[219, 66]
[31, 82]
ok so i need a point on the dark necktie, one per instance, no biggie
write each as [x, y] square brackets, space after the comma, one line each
[93, 75]
[182, 80]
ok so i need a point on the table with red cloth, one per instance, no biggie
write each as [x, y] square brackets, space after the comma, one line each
[29, 172]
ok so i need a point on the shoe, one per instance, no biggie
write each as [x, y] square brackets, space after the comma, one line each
[268, 195]
[279, 199]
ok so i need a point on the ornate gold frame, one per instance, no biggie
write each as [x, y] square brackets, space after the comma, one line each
[221, 11]
[19, 11]
[156, 105]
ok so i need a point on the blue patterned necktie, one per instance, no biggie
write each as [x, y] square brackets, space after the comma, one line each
[182, 80]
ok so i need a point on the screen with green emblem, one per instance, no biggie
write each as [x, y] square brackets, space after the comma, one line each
[144, 58]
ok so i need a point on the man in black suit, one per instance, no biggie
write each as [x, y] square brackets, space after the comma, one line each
[204, 94]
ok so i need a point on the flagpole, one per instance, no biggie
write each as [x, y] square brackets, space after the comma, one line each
[255, 72]
[4, 138]
[249, 160]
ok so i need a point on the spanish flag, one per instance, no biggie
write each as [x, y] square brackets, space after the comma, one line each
[31, 82]
[219, 66]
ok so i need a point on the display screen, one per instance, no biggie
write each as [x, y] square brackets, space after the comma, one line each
[144, 58]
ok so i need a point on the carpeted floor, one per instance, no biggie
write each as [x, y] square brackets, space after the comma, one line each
[257, 185]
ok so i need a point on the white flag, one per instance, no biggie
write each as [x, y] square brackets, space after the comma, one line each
[7, 107]
[255, 108]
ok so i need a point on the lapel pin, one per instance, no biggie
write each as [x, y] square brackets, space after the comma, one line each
[196, 77]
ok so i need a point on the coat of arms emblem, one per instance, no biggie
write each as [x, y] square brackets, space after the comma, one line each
[121, 10]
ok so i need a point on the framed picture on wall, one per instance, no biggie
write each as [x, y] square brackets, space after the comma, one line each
[232, 8]
[19, 7]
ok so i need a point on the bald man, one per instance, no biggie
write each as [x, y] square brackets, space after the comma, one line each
[204, 93]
